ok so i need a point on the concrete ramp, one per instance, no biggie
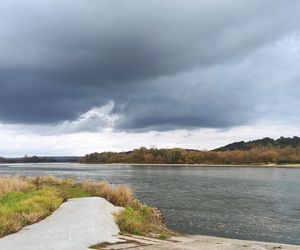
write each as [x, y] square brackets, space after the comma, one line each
[76, 224]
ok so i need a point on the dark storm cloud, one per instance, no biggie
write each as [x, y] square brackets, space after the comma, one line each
[157, 60]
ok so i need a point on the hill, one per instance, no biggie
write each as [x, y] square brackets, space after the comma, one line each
[282, 142]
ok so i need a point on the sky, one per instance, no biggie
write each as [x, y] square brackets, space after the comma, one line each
[79, 76]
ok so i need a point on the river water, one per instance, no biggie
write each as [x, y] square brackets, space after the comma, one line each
[245, 203]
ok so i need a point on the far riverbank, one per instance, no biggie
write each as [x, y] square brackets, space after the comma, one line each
[164, 164]
[201, 165]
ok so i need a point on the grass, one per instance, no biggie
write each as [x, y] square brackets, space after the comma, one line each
[119, 195]
[26, 200]
[140, 219]
[18, 209]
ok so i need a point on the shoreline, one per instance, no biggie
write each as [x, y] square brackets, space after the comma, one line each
[202, 242]
[192, 242]
[199, 165]
[166, 164]
[96, 216]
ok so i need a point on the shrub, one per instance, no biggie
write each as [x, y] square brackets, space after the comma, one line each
[139, 219]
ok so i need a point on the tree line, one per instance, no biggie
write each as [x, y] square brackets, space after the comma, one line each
[267, 155]
[40, 159]
[282, 142]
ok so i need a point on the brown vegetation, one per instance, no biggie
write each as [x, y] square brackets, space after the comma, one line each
[13, 184]
[118, 195]
[262, 155]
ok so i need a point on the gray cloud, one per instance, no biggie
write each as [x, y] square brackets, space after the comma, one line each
[165, 64]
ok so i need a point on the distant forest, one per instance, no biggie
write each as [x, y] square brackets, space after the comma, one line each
[264, 151]
[36, 159]
[266, 142]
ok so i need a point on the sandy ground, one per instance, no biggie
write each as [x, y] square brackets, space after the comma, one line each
[77, 224]
[195, 243]
[214, 243]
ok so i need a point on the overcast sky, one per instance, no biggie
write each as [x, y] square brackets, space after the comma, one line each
[78, 76]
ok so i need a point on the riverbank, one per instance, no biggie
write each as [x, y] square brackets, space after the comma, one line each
[199, 165]
[88, 223]
[166, 164]
[27, 200]
[256, 155]
[195, 242]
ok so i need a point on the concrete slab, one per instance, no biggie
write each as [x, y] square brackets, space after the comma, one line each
[198, 242]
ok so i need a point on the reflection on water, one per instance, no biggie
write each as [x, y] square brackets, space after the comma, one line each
[246, 203]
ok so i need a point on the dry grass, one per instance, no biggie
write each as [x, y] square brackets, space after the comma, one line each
[42, 181]
[119, 195]
[13, 184]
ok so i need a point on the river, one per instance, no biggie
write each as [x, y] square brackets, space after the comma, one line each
[245, 203]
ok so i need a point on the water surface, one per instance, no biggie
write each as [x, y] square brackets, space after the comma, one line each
[246, 203]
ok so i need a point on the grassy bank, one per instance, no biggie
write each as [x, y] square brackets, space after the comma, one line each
[140, 219]
[26, 200]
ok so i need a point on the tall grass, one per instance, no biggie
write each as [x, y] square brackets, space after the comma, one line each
[119, 195]
[13, 184]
